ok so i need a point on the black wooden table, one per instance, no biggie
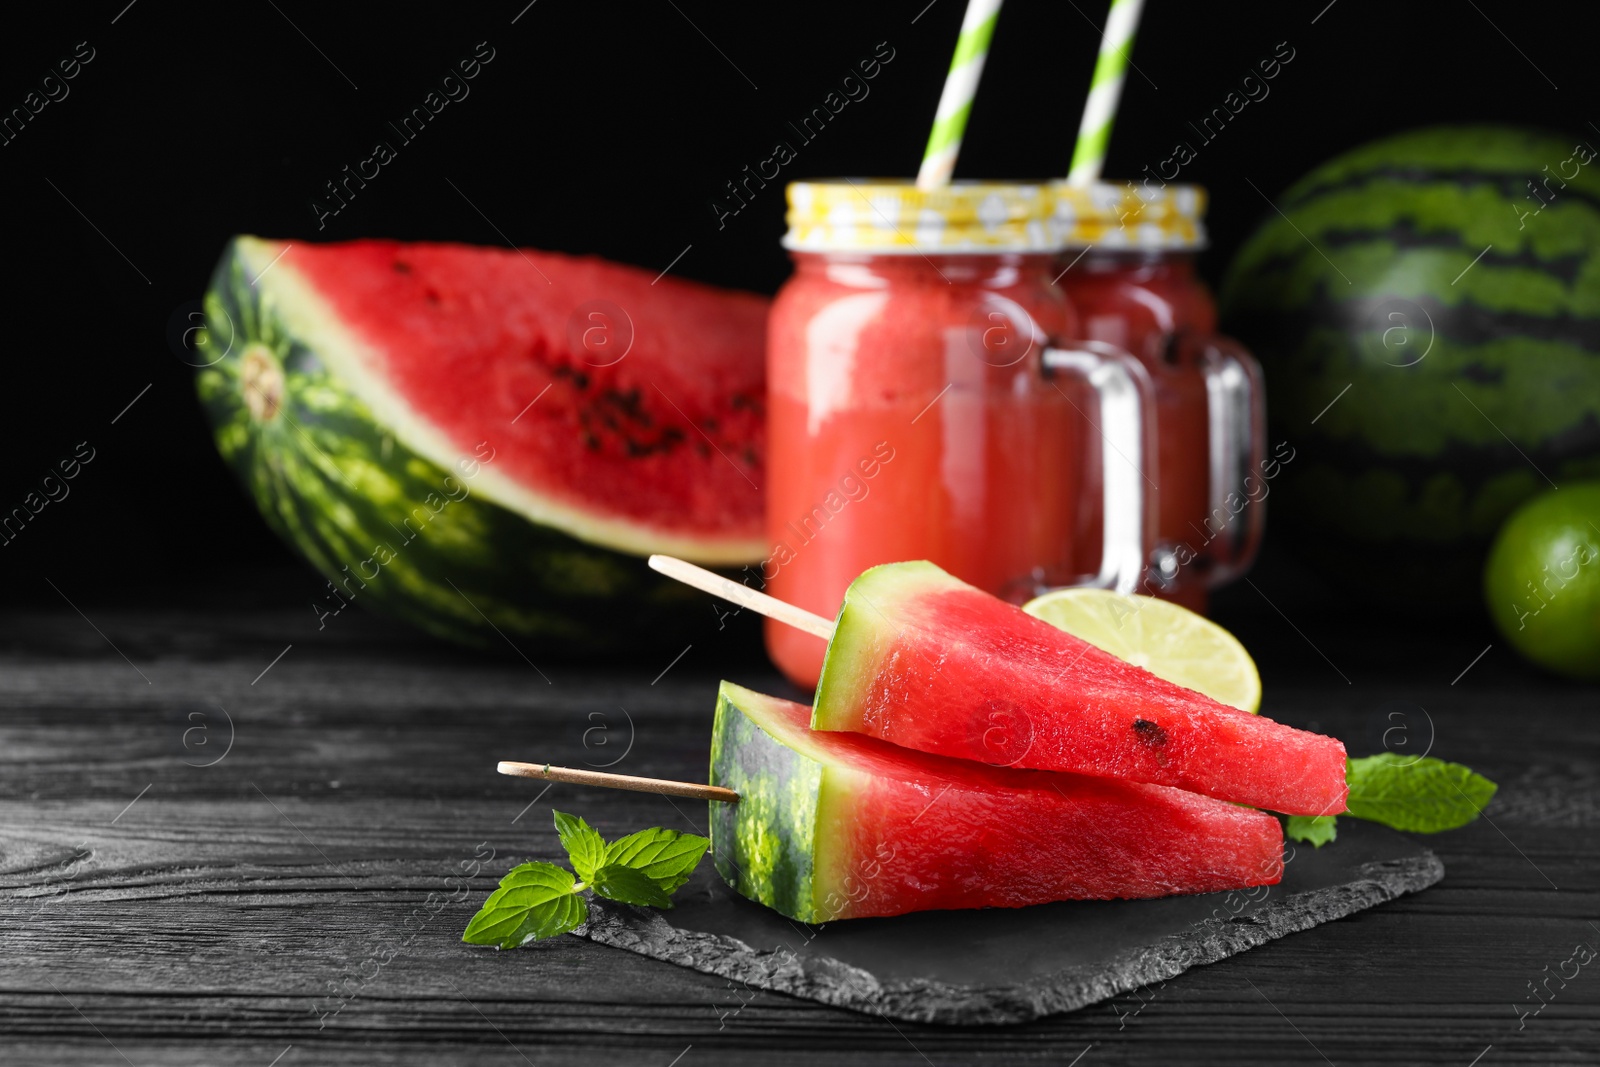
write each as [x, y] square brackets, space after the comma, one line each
[228, 837]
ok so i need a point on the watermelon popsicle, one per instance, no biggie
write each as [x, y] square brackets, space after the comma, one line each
[926, 661]
[837, 825]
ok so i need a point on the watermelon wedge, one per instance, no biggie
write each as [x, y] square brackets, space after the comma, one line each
[924, 660]
[484, 439]
[837, 826]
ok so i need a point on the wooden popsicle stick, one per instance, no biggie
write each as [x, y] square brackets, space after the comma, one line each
[743, 595]
[617, 781]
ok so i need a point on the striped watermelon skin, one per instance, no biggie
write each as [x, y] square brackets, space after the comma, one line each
[392, 531]
[1420, 272]
[764, 846]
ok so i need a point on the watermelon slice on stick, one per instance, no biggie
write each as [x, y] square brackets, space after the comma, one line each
[837, 825]
[926, 661]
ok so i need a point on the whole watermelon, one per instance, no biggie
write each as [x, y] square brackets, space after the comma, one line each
[1427, 308]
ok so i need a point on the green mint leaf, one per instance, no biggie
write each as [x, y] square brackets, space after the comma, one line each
[1318, 830]
[616, 881]
[1420, 795]
[666, 857]
[585, 847]
[534, 901]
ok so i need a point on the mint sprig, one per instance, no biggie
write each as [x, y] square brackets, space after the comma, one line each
[536, 900]
[585, 847]
[666, 856]
[541, 900]
[1316, 830]
[1420, 795]
[630, 885]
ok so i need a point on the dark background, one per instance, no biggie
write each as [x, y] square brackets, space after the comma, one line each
[219, 905]
[596, 128]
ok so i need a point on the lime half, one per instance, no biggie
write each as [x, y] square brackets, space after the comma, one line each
[1169, 641]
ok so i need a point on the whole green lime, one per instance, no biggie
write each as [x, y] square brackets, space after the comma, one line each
[1543, 580]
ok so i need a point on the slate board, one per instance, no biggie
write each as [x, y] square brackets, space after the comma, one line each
[1007, 965]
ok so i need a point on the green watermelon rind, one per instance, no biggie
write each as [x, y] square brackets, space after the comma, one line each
[1431, 453]
[1335, 252]
[342, 490]
[875, 596]
[1486, 151]
[764, 846]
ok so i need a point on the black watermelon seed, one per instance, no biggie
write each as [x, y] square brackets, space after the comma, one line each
[1149, 732]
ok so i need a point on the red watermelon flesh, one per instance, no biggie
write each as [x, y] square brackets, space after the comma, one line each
[929, 662]
[625, 409]
[836, 825]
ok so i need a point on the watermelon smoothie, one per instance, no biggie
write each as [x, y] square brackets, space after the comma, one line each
[1139, 301]
[1130, 256]
[972, 457]
[910, 416]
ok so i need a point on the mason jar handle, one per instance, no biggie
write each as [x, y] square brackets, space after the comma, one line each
[1236, 416]
[1125, 421]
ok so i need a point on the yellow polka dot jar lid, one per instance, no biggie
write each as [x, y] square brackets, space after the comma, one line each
[1131, 216]
[876, 215]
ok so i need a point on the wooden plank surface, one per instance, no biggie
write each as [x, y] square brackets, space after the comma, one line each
[301, 899]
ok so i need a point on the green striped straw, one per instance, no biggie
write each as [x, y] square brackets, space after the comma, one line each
[960, 85]
[1100, 111]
